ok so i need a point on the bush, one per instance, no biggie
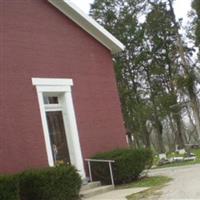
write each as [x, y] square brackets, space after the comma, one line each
[9, 188]
[59, 183]
[129, 163]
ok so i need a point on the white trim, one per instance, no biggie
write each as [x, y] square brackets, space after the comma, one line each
[89, 25]
[45, 129]
[52, 82]
[54, 89]
[63, 88]
[53, 107]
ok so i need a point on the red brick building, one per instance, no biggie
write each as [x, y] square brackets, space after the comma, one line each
[58, 94]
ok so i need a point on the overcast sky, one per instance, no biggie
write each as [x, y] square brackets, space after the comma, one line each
[181, 6]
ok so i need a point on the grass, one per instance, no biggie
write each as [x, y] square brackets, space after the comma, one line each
[150, 194]
[148, 182]
[154, 183]
[182, 163]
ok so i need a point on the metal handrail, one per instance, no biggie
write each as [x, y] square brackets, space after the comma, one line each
[105, 161]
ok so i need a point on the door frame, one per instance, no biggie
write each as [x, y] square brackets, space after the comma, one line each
[63, 87]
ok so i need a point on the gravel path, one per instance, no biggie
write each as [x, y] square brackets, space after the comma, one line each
[185, 184]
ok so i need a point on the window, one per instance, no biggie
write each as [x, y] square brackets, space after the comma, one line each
[50, 99]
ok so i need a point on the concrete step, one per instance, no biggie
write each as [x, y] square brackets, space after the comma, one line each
[95, 191]
[91, 185]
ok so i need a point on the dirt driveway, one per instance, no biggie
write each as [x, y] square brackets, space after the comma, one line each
[185, 184]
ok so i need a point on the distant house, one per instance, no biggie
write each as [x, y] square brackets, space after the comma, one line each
[58, 94]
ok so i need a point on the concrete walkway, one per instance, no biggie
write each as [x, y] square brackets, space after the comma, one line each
[185, 184]
[117, 194]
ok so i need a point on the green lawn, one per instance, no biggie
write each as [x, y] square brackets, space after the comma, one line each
[154, 183]
[150, 194]
[147, 182]
[182, 163]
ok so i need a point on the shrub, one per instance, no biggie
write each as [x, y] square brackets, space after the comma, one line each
[129, 163]
[9, 188]
[58, 183]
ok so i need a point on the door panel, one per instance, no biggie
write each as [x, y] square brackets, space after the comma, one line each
[58, 137]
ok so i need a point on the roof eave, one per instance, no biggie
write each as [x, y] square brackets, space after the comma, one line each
[89, 25]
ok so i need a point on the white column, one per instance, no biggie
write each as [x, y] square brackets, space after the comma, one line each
[45, 129]
[73, 136]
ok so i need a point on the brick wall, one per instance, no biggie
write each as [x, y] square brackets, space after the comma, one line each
[38, 41]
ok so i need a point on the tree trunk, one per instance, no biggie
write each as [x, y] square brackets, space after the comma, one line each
[192, 122]
[173, 146]
[179, 135]
[147, 141]
[160, 136]
[195, 109]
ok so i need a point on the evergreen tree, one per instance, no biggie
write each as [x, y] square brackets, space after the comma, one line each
[120, 17]
[161, 41]
[154, 73]
[188, 71]
[196, 7]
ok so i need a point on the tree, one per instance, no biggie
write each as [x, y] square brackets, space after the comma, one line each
[161, 41]
[155, 77]
[120, 17]
[196, 7]
[189, 78]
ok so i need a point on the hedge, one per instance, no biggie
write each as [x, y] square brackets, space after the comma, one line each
[129, 163]
[58, 183]
[9, 188]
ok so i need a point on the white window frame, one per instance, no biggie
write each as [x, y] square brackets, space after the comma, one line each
[62, 86]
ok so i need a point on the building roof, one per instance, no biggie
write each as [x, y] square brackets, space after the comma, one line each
[88, 24]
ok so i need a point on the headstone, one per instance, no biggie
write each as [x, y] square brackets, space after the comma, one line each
[162, 156]
[181, 151]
